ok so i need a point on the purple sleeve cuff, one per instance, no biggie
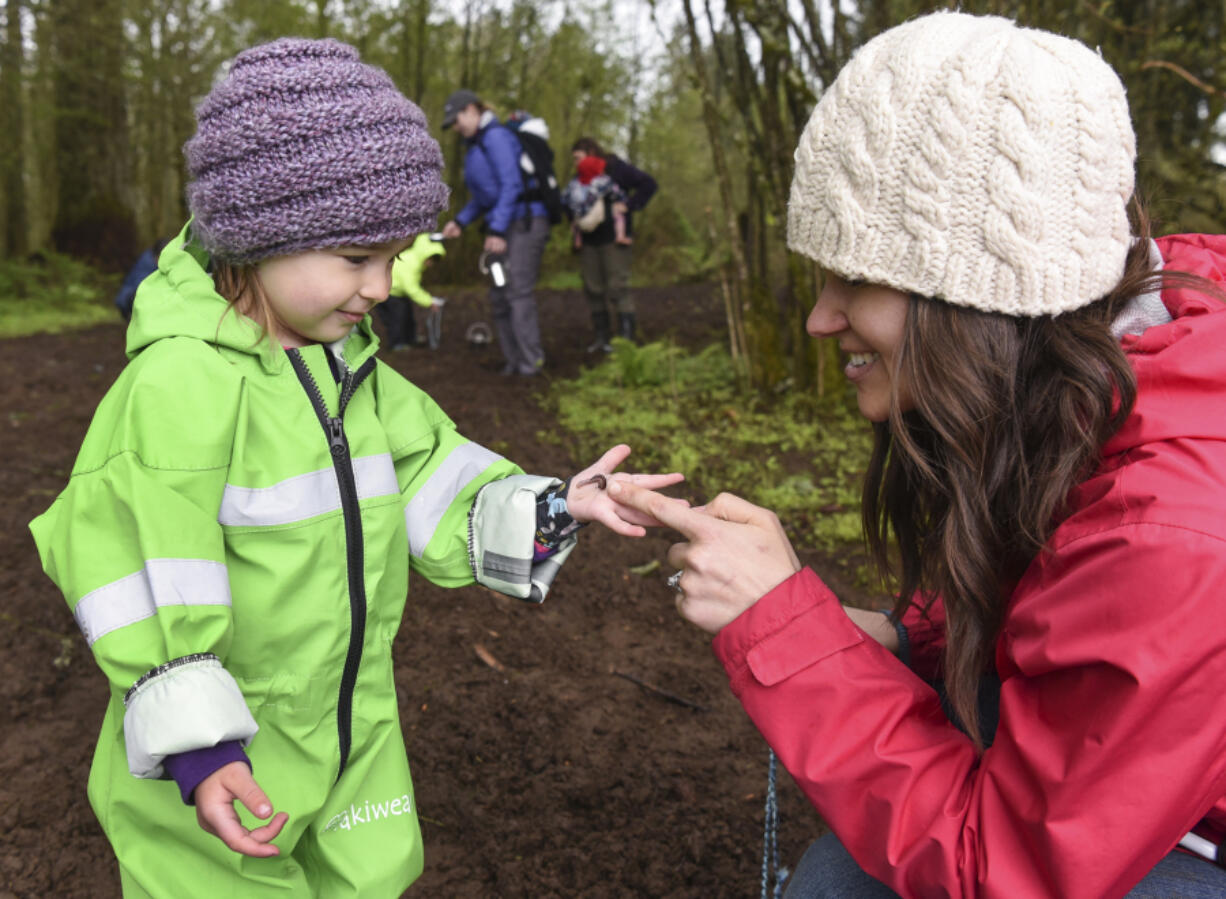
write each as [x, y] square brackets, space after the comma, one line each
[189, 768]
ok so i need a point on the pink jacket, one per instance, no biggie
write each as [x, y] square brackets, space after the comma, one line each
[1112, 736]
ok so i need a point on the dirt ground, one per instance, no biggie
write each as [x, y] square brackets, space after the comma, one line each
[556, 776]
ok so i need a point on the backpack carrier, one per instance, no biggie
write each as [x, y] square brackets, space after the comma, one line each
[536, 164]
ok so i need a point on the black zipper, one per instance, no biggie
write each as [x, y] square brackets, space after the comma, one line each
[338, 446]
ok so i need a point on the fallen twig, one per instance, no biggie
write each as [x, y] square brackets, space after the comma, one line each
[671, 697]
[488, 657]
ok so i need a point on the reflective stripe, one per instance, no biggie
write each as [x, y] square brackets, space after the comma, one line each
[162, 582]
[306, 495]
[506, 568]
[426, 509]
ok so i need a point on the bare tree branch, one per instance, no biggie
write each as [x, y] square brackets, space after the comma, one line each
[1182, 73]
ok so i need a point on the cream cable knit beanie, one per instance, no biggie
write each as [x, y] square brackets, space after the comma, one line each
[969, 159]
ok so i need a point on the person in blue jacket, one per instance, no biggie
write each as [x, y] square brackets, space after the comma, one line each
[516, 228]
[141, 269]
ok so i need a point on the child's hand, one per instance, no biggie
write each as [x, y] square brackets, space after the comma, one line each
[588, 501]
[215, 798]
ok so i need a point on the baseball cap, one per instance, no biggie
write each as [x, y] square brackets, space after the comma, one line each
[456, 102]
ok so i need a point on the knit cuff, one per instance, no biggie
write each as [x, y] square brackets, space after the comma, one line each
[190, 768]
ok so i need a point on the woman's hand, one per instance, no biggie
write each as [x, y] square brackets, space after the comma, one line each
[451, 230]
[736, 552]
[215, 798]
[590, 500]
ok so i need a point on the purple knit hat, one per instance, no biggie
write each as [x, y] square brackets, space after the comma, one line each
[303, 146]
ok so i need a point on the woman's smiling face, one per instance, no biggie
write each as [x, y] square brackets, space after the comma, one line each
[868, 321]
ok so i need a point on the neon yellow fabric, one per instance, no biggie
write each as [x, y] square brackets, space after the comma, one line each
[207, 452]
[407, 269]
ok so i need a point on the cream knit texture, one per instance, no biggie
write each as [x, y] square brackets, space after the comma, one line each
[971, 160]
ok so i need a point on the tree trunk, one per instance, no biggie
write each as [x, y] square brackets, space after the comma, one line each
[738, 290]
[15, 226]
[93, 218]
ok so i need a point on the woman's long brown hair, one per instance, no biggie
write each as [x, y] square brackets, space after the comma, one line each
[1009, 415]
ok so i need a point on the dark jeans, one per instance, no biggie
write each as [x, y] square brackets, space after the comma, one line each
[827, 870]
[396, 313]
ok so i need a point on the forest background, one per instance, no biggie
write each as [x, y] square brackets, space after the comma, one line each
[710, 96]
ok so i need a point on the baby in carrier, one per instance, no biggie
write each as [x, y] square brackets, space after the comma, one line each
[592, 197]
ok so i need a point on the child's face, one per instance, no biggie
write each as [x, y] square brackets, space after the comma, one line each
[318, 296]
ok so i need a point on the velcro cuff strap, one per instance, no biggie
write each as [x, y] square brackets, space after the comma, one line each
[181, 706]
[805, 642]
[501, 528]
[797, 624]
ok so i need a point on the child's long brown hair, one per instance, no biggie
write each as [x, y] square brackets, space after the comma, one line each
[1010, 414]
[240, 287]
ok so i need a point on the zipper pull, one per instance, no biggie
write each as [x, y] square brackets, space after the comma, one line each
[336, 437]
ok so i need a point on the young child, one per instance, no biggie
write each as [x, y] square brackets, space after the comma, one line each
[236, 537]
[584, 195]
[396, 313]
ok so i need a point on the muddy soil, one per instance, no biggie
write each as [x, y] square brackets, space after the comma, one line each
[556, 775]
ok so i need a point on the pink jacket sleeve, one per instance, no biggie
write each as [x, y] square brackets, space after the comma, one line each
[1111, 743]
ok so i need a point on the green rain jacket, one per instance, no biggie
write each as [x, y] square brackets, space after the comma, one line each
[406, 270]
[235, 543]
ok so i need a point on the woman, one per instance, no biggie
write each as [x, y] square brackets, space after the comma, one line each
[604, 259]
[516, 230]
[1048, 398]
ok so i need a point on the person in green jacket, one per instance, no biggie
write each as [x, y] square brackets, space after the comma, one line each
[237, 535]
[396, 313]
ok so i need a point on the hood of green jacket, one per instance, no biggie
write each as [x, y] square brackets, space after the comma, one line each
[180, 300]
[424, 247]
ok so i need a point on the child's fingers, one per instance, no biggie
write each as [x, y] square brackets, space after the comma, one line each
[231, 832]
[624, 528]
[266, 833]
[654, 481]
[243, 785]
[613, 457]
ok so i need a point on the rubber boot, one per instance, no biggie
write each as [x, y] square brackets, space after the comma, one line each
[600, 322]
[625, 322]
